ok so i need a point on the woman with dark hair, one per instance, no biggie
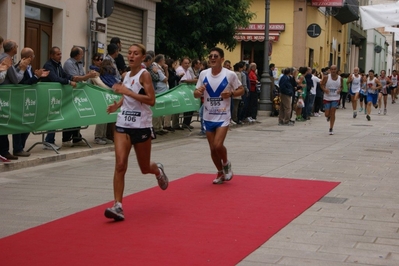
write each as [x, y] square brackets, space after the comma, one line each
[173, 78]
[96, 60]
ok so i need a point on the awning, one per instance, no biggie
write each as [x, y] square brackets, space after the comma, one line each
[256, 36]
[376, 16]
[255, 32]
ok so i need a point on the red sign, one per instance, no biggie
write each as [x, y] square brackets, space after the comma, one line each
[261, 26]
[328, 3]
[254, 38]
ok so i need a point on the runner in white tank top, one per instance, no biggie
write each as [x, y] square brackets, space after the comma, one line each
[385, 83]
[133, 128]
[394, 86]
[355, 81]
[331, 86]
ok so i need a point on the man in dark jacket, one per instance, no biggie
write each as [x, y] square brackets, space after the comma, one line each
[286, 92]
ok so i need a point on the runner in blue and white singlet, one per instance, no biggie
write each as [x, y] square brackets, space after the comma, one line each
[218, 85]
[217, 108]
[373, 87]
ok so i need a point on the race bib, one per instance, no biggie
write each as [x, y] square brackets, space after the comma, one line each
[333, 91]
[215, 101]
[131, 119]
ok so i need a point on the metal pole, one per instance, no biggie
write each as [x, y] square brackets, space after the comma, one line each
[265, 103]
[90, 36]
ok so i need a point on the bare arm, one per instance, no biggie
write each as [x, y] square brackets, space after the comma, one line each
[146, 81]
[323, 84]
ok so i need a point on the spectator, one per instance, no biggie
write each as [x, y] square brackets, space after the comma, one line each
[345, 90]
[119, 60]
[245, 97]
[113, 52]
[309, 85]
[301, 93]
[30, 77]
[173, 78]
[56, 74]
[312, 94]
[188, 78]
[5, 64]
[227, 64]
[238, 67]
[108, 73]
[253, 95]
[14, 75]
[73, 66]
[161, 123]
[286, 92]
[100, 132]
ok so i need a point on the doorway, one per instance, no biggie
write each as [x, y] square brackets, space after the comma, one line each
[38, 33]
[253, 52]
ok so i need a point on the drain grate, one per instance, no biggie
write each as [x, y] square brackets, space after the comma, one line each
[376, 150]
[362, 125]
[268, 130]
[333, 200]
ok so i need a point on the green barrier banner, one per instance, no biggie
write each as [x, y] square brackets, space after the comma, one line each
[178, 100]
[50, 106]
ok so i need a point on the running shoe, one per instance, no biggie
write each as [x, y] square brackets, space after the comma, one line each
[219, 178]
[331, 131]
[385, 111]
[376, 106]
[361, 109]
[368, 117]
[328, 119]
[163, 181]
[354, 114]
[228, 174]
[50, 146]
[379, 111]
[115, 212]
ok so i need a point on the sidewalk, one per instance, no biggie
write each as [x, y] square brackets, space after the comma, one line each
[39, 156]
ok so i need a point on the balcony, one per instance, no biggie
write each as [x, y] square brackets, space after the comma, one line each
[348, 13]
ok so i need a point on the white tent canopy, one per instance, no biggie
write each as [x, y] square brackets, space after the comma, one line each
[376, 16]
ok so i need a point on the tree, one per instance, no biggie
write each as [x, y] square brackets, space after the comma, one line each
[191, 27]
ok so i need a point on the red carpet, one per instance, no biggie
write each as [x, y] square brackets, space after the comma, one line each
[191, 223]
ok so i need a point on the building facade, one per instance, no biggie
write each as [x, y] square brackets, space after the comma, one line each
[302, 33]
[42, 24]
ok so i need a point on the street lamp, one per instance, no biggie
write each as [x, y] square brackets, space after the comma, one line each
[265, 103]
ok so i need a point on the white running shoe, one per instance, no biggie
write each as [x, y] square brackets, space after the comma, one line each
[219, 178]
[50, 146]
[228, 174]
[163, 180]
[115, 212]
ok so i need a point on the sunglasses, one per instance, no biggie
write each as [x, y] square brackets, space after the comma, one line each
[98, 59]
[215, 56]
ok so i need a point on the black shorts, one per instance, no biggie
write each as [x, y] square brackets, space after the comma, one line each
[137, 135]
